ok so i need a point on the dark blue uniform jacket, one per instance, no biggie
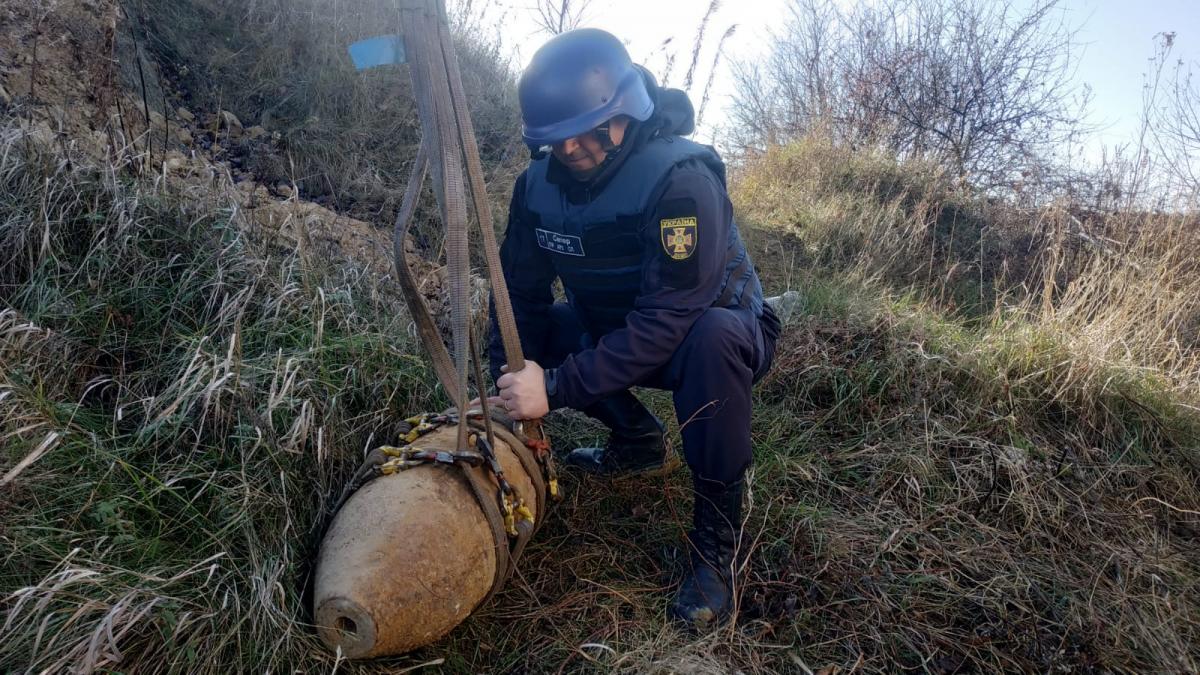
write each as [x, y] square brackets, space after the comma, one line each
[683, 251]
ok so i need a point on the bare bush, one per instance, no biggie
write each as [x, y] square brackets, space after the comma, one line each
[1176, 123]
[559, 16]
[981, 87]
[1158, 169]
[671, 50]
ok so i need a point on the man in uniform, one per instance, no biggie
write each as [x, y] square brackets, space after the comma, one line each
[635, 221]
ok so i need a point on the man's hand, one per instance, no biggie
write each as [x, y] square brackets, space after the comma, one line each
[523, 393]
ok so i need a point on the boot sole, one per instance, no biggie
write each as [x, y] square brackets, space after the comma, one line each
[669, 465]
[703, 622]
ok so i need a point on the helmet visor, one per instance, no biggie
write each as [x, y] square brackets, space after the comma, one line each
[631, 99]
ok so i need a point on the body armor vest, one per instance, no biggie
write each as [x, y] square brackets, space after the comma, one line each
[597, 247]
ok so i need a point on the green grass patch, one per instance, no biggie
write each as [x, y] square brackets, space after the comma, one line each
[930, 492]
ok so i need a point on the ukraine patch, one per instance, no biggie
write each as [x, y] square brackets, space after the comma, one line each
[678, 237]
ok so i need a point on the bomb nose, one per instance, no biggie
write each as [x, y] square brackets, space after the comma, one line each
[347, 625]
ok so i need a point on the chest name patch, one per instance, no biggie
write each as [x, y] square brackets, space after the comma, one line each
[679, 237]
[566, 244]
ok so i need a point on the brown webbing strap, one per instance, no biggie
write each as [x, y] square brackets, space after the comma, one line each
[431, 338]
[525, 529]
[513, 354]
[528, 462]
[482, 488]
[525, 532]
[448, 140]
[435, 109]
[481, 387]
[426, 329]
[449, 136]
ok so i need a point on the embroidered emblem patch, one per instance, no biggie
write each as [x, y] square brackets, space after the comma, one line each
[567, 244]
[678, 237]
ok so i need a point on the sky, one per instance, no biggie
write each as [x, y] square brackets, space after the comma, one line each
[1116, 41]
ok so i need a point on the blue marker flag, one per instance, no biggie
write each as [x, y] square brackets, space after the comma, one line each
[378, 51]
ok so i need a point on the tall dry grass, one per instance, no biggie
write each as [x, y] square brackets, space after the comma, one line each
[181, 401]
[1127, 292]
[1121, 287]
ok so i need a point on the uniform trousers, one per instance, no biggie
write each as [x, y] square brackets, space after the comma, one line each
[710, 376]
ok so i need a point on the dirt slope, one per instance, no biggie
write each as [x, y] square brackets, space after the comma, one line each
[59, 76]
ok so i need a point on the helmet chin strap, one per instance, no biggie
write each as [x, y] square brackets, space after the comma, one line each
[611, 150]
[603, 133]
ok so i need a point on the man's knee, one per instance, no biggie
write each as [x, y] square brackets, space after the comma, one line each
[719, 332]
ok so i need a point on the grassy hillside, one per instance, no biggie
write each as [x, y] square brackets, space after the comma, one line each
[1119, 287]
[931, 491]
[979, 449]
[190, 395]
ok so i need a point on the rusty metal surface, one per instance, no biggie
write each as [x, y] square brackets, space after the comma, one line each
[409, 556]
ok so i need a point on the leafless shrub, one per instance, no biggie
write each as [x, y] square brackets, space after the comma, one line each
[983, 88]
[1175, 121]
[559, 16]
[1158, 169]
[670, 50]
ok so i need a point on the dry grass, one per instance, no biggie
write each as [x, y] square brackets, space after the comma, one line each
[930, 493]
[978, 450]
[926, 497]
[1127, 292]
[191, 397]
[345, 138]
[1121, 286]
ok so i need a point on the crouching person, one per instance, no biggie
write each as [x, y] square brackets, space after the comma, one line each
[635, 221]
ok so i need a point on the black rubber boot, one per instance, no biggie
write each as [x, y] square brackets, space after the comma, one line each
[635, 444]
[705, 598]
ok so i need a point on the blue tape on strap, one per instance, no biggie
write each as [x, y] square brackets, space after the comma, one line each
[384, 50]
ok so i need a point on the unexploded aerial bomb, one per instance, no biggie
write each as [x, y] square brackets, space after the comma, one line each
[410, 555]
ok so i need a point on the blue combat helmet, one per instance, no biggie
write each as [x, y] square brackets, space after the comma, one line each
[577, 81]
